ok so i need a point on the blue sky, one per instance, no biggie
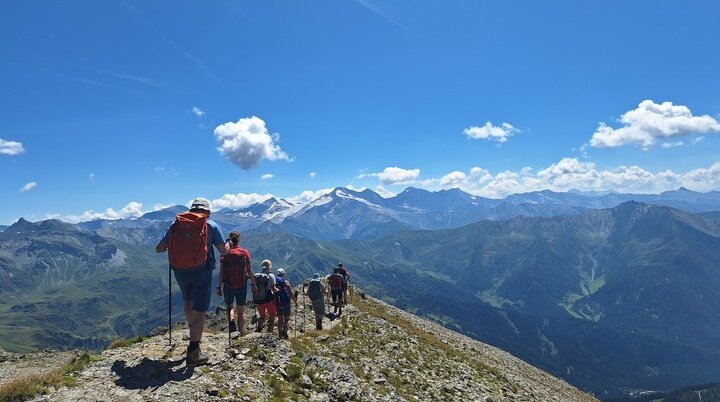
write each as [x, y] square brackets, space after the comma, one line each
[131, 105]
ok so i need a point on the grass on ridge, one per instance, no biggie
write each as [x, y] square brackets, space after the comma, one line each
[24, 388]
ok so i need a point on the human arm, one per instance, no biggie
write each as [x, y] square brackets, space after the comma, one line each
[221, 275]
[217, 239]
[162, 245]
[249, 274]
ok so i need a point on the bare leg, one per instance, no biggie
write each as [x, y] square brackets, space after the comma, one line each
[187, 309]
[271, 324]
[197, 324]
[240, 319]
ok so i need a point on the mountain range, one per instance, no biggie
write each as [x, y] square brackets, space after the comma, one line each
[614, 300]
[348, 214]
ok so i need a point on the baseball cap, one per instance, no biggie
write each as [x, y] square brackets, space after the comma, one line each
[281, 271]
[201, 203]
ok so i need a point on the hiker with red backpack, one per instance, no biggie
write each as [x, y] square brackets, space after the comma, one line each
[283, 299]
[338, 285]
[189, 243]
[232, 283]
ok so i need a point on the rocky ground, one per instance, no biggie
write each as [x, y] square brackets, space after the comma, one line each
[16, 365]
[374, 352]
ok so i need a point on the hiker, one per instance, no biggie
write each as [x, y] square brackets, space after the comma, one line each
[344, 272]
[316, 291]
[232, 283]
[284, 296]
[189, 242]
[265, 282]
[338, 285]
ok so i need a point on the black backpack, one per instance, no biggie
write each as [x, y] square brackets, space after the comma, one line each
[264, 287]
[315, 290]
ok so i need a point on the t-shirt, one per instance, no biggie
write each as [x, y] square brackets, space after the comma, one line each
[215, 237]
[284, 294]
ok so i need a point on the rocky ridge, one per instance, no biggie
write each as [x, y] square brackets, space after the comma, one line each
[374, 352]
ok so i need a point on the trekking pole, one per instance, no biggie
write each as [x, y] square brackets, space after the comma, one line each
[304, 312]
[169, 307]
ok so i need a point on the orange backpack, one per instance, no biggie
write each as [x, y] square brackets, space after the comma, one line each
[187, 241]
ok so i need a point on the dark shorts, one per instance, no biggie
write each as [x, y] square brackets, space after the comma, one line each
[195, 287]
[239, 296]
[283, 310]
[318, 307]
[337, 295]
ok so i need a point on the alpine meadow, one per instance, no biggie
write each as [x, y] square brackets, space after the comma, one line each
[360, 200]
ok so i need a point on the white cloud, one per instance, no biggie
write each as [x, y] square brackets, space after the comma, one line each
[697, 139]
[312, 175]
[92, 178]
[651, 121]
[27, 187]
[238, 200]
[198, 112]
[385, 193]
[267, 176]
[160, 206]
[570, 173]
[309, 195]
[11, 148]
[499, 133]
[393, 175]
[453, 178]
[131, 210]
[248, 141]
[672, 144]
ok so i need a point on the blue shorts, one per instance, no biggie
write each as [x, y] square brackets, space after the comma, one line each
[195, 288]
[239, 296]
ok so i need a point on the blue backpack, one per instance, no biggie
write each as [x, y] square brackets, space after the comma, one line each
[284, 294]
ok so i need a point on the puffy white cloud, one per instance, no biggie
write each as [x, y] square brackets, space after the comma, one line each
[651, 121]
[499, 133]
[198, 112]
[570, 173]
[308, 196]
[453, 178]
[672, 144]
[267, 176]
[394, 175]
[11, 148]
[248, 141]
[131, 210]
[27, 187]
[312, 175]
[238, 200]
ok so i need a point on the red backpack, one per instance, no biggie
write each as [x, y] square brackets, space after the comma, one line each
[187, 241]
[234, 268]
[336, 281]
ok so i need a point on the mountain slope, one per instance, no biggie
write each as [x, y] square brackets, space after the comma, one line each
[375, 352]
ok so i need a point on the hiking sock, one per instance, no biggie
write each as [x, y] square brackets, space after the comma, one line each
[193, 345]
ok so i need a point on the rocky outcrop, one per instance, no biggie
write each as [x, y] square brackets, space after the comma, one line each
[373, 352]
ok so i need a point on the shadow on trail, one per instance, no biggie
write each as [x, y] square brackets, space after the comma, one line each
[149, 373]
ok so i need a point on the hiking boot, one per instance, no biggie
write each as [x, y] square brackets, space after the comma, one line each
[195, 358]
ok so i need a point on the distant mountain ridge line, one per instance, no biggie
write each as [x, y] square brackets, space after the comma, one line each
[348, 214]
